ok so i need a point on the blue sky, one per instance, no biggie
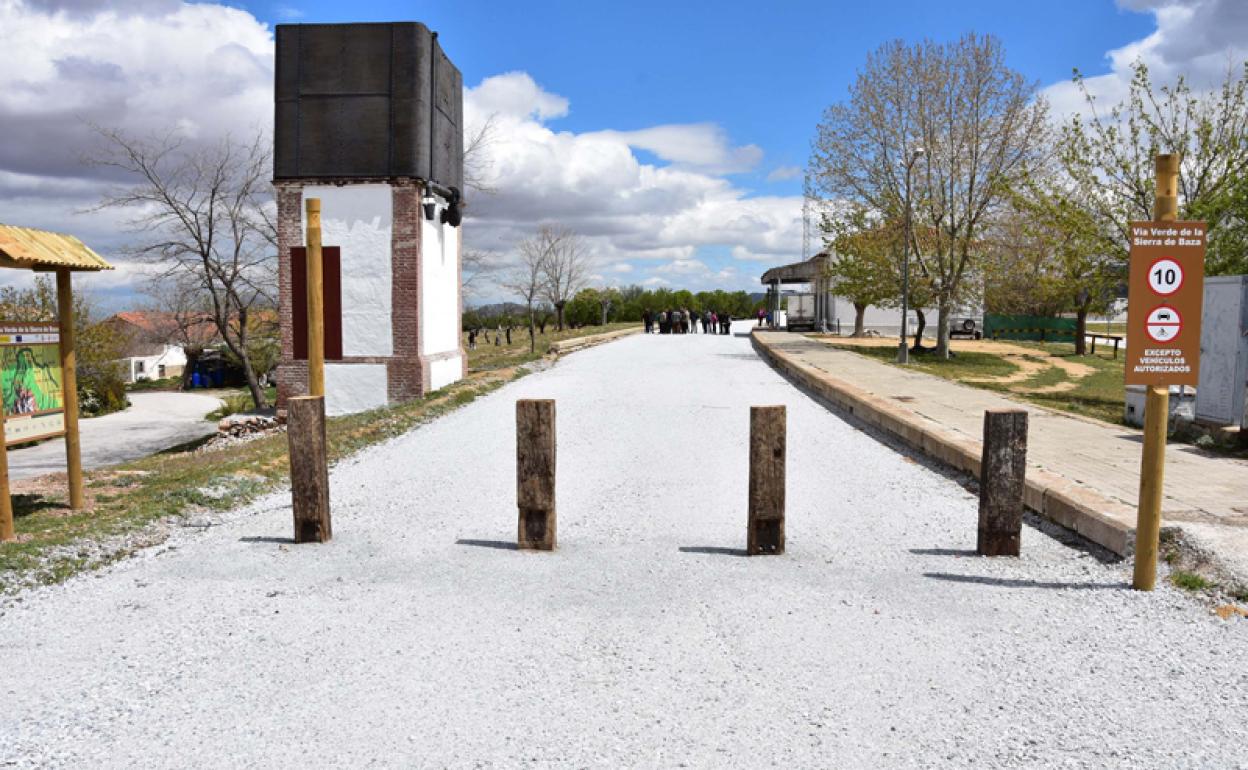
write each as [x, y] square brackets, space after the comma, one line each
[671, 134]
[765, 76]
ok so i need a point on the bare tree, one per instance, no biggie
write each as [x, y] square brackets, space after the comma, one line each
[477, 159]
[981, 126]
[185, 319]
[477, 268]
[205, 216]
[566, 267]
[527, 279]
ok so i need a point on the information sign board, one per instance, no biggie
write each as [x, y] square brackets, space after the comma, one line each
[1164, 294]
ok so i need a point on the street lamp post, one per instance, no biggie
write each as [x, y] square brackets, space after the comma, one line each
[903, 350]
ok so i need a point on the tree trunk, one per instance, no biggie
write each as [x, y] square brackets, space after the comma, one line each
[532, 335]
[605, 307]
[942, 330]
[921, 324]
[1081, 332]
[559, 315]
[192, 358]
[860, 319]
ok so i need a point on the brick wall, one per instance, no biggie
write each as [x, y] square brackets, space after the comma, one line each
[407, 378]
[407, 371]
[292, 376]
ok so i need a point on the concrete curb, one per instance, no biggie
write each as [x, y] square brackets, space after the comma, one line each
[579, 343]
[1092, 515]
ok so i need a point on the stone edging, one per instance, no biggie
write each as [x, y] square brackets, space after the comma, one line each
[577, 343]
[1054, 497]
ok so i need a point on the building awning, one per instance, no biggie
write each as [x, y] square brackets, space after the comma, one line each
[30, 249]
[799, 272]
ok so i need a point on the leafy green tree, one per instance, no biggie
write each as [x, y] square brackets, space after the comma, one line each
[980, 125]
[1108, 159]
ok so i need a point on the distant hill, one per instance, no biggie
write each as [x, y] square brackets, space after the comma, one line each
[498, 309]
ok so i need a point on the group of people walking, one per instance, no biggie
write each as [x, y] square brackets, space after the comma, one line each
[686, 322]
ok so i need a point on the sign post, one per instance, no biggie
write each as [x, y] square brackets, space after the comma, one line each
[1165, 290]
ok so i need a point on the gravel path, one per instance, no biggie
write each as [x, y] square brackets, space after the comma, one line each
[153, 422]
[417, 638]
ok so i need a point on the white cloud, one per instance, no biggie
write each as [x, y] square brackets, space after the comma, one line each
[1199, 39]
[702, 147]
[628, 210]
[146, 65]
[683, 267]
[782, 173]
[142, 66]
[514, 96]
[622, 267]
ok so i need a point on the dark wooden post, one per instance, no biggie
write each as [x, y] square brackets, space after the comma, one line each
[1002, 473]
[535, 473]
[767, 449]
[309, 473]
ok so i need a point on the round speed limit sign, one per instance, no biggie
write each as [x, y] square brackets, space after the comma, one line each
[1165, 277]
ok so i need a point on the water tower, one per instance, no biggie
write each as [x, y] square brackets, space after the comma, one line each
[369, 120]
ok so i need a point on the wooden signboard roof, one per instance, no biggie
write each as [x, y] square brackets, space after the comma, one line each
[31, 249]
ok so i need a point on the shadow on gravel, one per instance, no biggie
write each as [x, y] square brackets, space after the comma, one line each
[1008, 583]
[501, 545]
[944, 551]
[713, 550]
[267, 539]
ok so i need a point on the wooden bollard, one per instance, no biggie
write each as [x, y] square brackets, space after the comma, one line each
[535, 473]
[767, 450]
[309, 472]
[1002, 476]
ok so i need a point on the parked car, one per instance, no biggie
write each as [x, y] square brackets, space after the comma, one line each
[970, 328]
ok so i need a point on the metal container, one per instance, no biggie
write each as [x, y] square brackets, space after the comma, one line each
[1222, 396]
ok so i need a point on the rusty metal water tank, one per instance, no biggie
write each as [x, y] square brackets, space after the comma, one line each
[367, 101]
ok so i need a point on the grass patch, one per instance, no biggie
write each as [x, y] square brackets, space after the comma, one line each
[1188, 581]
[237, 401]
[168, 383]
[487, 356]
[55, 542]
[1100, 394]
[964, 365]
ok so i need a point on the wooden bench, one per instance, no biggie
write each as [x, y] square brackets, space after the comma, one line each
[1115, 338]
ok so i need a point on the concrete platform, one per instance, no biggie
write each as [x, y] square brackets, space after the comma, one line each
[1082, 473]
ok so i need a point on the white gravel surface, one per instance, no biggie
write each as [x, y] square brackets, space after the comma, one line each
[645, 640]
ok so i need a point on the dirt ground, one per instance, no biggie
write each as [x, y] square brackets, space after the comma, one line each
[1031, 362]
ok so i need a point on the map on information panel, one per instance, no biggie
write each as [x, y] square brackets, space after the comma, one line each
[30, 382]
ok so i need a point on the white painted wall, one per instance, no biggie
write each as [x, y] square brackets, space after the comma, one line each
[351, 388]
[173, 359]
[439, 283]
[444, 372]
[359, 219]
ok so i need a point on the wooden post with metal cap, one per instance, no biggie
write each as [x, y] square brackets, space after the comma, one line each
[69, 379]
[1156, 414]
[305, 429]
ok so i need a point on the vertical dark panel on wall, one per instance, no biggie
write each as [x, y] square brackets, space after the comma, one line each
[331, 268]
